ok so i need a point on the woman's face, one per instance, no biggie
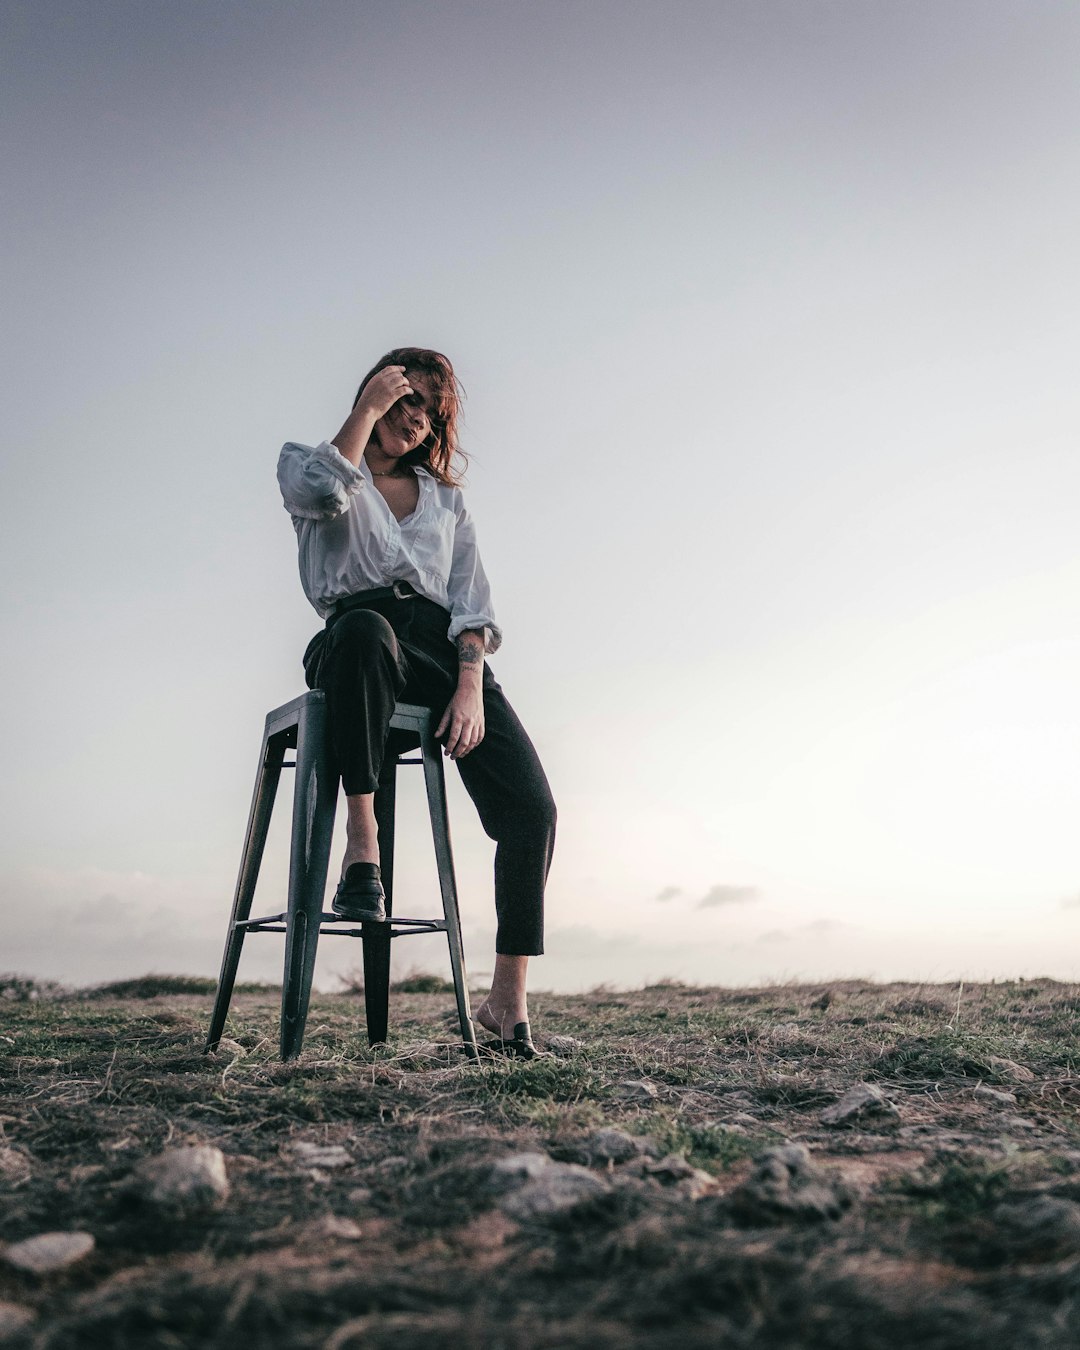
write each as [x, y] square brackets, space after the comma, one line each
[407, 424]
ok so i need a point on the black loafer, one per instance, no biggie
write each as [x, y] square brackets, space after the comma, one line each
[521, 1043]
[360, 895]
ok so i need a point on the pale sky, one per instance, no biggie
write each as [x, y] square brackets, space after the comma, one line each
[768, 316]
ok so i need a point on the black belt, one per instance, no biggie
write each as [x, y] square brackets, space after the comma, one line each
[398, 590]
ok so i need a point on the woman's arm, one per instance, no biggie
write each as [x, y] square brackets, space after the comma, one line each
[463, 720]
[317, 482]
[473, 630]
[468, 589]
[380, 394]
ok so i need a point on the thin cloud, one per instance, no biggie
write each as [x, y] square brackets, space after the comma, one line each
[106, 910]
[1071, 902]
[728, 895]
[669, 893]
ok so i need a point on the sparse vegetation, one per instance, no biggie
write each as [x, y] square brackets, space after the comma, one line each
[937, 1249]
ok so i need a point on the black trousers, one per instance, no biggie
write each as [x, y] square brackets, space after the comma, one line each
[393, 650]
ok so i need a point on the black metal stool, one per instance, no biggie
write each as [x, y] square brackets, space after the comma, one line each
[301, 725]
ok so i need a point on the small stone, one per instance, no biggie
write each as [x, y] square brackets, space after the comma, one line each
[13, 1317]
[564, 1046]
[858, 1103]
[989, 1094]
[517, 1169]
[558, 1187]
[360, 1195]
[614, 1146]
[532, 1185]
[183, 1182]
[693, 1183]
[16, 1166]
[1017, 1123]
[1010, 1070]
[49, 1252]
[320, 1155]
[786, 1183]
[636, 1090]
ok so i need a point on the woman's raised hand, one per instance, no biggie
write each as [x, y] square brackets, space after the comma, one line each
[383, 390]
[380, 394]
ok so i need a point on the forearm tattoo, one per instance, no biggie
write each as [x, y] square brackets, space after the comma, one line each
[470, 649]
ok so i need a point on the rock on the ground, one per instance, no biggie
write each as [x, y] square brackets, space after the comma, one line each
[559, 1187]
[564, 1046]
[692, 1183]
[320, 1155]
[183, 1182]
[995, 1095]
[13, 1317]
[859, 1103]
[16, 1166]
[615, 1146]
[532, 1185]
[787, 1184]
[636, 1090]
[515, 1170]
[48, 1252]
[1010, 1070]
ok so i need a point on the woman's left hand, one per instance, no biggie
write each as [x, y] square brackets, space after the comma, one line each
[463, 721]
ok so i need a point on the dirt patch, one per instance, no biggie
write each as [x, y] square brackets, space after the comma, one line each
[361, 1209]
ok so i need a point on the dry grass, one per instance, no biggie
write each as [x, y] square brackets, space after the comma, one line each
[95, 1080]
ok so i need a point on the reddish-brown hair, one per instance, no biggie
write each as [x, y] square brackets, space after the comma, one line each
[438, 451]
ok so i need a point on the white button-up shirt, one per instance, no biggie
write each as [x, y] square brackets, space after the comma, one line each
[351, 541]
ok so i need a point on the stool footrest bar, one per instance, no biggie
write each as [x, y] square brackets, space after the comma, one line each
[263, 925]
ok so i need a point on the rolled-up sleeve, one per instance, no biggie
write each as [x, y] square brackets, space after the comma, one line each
[468, 589]
[316, 481]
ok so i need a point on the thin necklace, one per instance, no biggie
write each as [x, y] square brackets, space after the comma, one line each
[388, 473]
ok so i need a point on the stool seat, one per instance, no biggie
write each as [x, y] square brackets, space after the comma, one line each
[301, 725]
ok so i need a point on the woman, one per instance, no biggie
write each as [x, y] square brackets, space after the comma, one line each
[388, 558]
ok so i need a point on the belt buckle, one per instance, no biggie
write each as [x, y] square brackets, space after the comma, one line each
[402, 590]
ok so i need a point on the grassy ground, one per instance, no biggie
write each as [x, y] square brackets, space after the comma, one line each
[94, 1081]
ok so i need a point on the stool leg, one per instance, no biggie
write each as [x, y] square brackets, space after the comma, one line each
[262, 804]
[314, 800]
[376, 936]
[440, 830]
